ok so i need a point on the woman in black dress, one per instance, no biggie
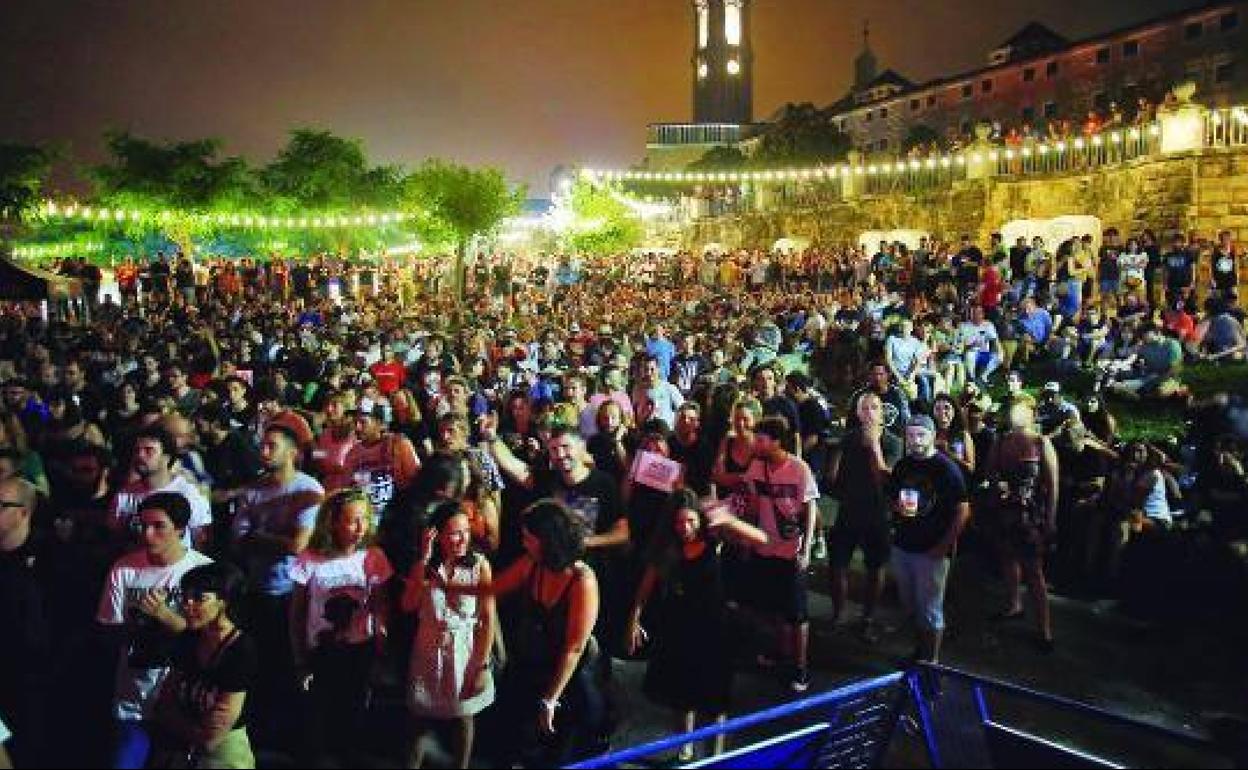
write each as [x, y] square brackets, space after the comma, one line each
[690, 667]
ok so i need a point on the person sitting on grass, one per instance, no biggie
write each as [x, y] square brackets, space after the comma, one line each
[1155, 364]
[1221, 336]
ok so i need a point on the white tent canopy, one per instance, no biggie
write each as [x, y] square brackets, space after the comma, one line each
[788, 245]
[1053, 231]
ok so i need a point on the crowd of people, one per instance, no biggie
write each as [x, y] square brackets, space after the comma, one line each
[1108, 117]
[244, 501]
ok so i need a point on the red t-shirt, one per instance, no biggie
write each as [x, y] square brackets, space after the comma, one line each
[991, 289]
[389, 376]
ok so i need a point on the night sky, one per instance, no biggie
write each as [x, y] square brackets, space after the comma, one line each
[523, 84]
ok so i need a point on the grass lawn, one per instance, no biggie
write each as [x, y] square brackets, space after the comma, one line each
[1147, 421]
[1156, 421]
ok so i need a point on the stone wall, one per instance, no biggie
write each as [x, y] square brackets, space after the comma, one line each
[1205, 191]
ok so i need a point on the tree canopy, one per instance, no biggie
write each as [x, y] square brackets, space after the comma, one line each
[459, 202]
[802, 134]
[603, 224]
[24, 170]
[321, 171]
[920, 135]
[178, 187]
[174, 176]
[725, 157]
[454, 203]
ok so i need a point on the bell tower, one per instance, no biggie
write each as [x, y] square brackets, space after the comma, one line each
[723, 62]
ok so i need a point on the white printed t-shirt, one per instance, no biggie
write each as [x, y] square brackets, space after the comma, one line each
[125, 505]
[344, 585]
[144, 662]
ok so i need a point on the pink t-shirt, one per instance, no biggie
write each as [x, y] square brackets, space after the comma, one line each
[779, 497]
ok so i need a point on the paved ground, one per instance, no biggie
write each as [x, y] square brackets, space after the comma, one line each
[1170, 676]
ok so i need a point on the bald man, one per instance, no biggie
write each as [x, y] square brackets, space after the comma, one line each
[25, 664]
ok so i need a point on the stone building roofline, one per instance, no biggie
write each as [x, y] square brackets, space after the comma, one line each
[849, 103]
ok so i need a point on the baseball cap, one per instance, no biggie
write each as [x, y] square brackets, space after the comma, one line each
[922, 421]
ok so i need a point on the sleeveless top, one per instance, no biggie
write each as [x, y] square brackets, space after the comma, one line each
[737, 496]
[1023, 504]
[542, 631]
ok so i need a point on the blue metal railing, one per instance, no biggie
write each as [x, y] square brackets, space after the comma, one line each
[805, 707]
[979, 683]
[853, 726]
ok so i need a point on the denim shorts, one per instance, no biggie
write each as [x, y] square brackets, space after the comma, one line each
[921, 583]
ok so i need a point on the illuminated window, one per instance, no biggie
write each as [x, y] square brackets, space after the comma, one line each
[732, 22]
[734, 67]
[703, 70]
[704, 24]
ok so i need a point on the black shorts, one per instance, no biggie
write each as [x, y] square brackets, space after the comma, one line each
[874, 540]
[777, 587]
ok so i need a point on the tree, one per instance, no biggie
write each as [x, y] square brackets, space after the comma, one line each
[803, 134]
[24, 170]
[183, 177]
[725, 157]
[602, 224]
[321, 171]
[454, 203]
[920, 135]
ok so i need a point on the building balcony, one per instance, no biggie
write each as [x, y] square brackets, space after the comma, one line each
[709, 134]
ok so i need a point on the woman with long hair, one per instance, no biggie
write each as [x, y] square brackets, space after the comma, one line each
[338, 616]
[611, 445]
[736, 453]
[29, 463]
[449, 680]
[409, 421]
[1023, 467]
[952, 437]
[200, 714]
[337, 437]
[685, 582]
[552, 698]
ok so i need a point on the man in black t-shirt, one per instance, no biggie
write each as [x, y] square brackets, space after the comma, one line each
[767, 381]
[1225, 264]
[860, 469]
[815, 419]
[1180, 267]
[931, 507]
[594, 499]
[896, 404]
[25, 665]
